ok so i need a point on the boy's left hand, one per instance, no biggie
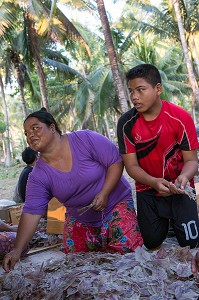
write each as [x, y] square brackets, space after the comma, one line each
[179, 186]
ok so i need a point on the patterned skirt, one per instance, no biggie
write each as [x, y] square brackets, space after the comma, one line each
[120, 233]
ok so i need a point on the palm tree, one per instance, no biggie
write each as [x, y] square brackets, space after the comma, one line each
[7, 18]
[44, 17]
[112, 56]
[13, 58]
[162, 22]
[37, 58]
[6, 121]
[192, 78]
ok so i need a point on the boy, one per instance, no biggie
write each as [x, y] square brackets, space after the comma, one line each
[158, 142]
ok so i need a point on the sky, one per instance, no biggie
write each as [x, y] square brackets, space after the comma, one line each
[113, 9]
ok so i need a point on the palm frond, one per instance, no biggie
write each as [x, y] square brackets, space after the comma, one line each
[64, 68]
[7, 17]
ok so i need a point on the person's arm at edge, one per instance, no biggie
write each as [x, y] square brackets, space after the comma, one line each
[195, 264]
[27, 226]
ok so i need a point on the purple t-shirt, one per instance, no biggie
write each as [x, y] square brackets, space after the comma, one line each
[92, 154]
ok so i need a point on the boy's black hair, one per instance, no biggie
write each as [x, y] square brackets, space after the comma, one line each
[146, 71]
[29, 155]
[45, 117]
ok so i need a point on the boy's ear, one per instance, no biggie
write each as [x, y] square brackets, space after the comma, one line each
[159, 88]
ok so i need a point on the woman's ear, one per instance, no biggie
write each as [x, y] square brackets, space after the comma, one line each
[52, 127]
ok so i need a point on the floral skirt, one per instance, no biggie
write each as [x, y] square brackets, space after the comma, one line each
[7, 241]
[120, 233]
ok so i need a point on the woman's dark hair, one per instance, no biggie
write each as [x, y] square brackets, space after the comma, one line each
[149, 72]
[29, 155]
[45, 117]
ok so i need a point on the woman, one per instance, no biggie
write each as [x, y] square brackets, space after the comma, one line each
[83, 171]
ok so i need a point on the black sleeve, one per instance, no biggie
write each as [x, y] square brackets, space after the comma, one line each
[124, 127]
[23, 181]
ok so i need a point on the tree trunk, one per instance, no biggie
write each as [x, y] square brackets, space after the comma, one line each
[189, 63]
[37, 59]
[20, 78]
[106, 127]
[112, 56]
[7, 137]
[195, 52]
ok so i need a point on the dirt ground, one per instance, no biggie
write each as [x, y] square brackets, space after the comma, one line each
[8, 180]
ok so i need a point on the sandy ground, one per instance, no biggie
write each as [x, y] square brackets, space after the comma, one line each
[8, 180]
[7, 188]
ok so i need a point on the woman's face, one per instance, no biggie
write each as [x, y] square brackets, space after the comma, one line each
[39, 136]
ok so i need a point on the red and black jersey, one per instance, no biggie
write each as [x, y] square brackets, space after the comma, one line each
[158, 143]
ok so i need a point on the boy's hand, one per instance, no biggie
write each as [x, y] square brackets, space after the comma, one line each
[175, 189]
[179, 186]
[161, 185]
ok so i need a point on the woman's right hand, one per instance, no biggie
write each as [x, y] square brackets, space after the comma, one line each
[10, 259]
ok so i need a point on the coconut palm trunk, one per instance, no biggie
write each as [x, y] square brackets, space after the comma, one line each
[112, 57]
[15, 59]
[8, 159]
[195, 52]
[37, 59]
[189, 63]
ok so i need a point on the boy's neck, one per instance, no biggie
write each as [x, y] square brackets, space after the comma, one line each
[152, 113]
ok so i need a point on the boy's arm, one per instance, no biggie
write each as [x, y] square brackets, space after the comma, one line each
[138, 174]
[189, 169]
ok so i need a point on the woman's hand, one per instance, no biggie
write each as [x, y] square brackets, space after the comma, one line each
[100, 201]
[27, 227]
[10, 259]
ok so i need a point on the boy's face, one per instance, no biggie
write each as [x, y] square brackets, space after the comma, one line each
[144, 96]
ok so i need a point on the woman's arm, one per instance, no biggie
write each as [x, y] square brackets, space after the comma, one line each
[113, 176]
[27, 227]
